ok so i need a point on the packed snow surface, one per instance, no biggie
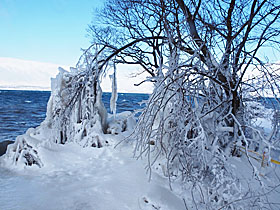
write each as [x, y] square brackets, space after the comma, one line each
[105, 178]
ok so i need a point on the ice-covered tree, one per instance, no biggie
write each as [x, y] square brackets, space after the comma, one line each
[121, 22]
[212, 65]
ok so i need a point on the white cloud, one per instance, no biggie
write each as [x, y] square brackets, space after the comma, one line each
[33, 75]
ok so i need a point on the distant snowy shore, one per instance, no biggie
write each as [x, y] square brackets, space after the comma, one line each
[30, 88]
[19, 74]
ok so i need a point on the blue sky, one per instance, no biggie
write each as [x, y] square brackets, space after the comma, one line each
[51, 31]
[38, 36]
[45, 30]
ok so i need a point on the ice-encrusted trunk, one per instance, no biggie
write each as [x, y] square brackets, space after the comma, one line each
[75, 108]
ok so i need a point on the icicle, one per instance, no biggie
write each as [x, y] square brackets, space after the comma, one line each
[101, 109]
[114, 96]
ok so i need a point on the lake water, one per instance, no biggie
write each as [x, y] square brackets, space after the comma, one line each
[20, 110]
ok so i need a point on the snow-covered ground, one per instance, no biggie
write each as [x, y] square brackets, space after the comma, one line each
[107, 178]
[76, 178]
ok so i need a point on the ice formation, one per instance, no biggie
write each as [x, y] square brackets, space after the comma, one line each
[75, 113]
[114, 96]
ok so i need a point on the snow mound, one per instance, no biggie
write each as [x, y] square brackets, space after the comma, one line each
[85, 178]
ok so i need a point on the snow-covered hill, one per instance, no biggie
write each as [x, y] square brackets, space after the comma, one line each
[26, 75]
[18, 74]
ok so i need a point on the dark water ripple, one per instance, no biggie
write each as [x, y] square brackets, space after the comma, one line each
[20, 110]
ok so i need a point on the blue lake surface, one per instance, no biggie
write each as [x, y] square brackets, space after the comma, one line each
[20, 110]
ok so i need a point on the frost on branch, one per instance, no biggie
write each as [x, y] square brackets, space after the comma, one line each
[179, 143]
[75, 109]
[24, 151]
[188, 134]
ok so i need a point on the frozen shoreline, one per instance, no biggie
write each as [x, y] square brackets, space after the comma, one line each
[85, 178]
